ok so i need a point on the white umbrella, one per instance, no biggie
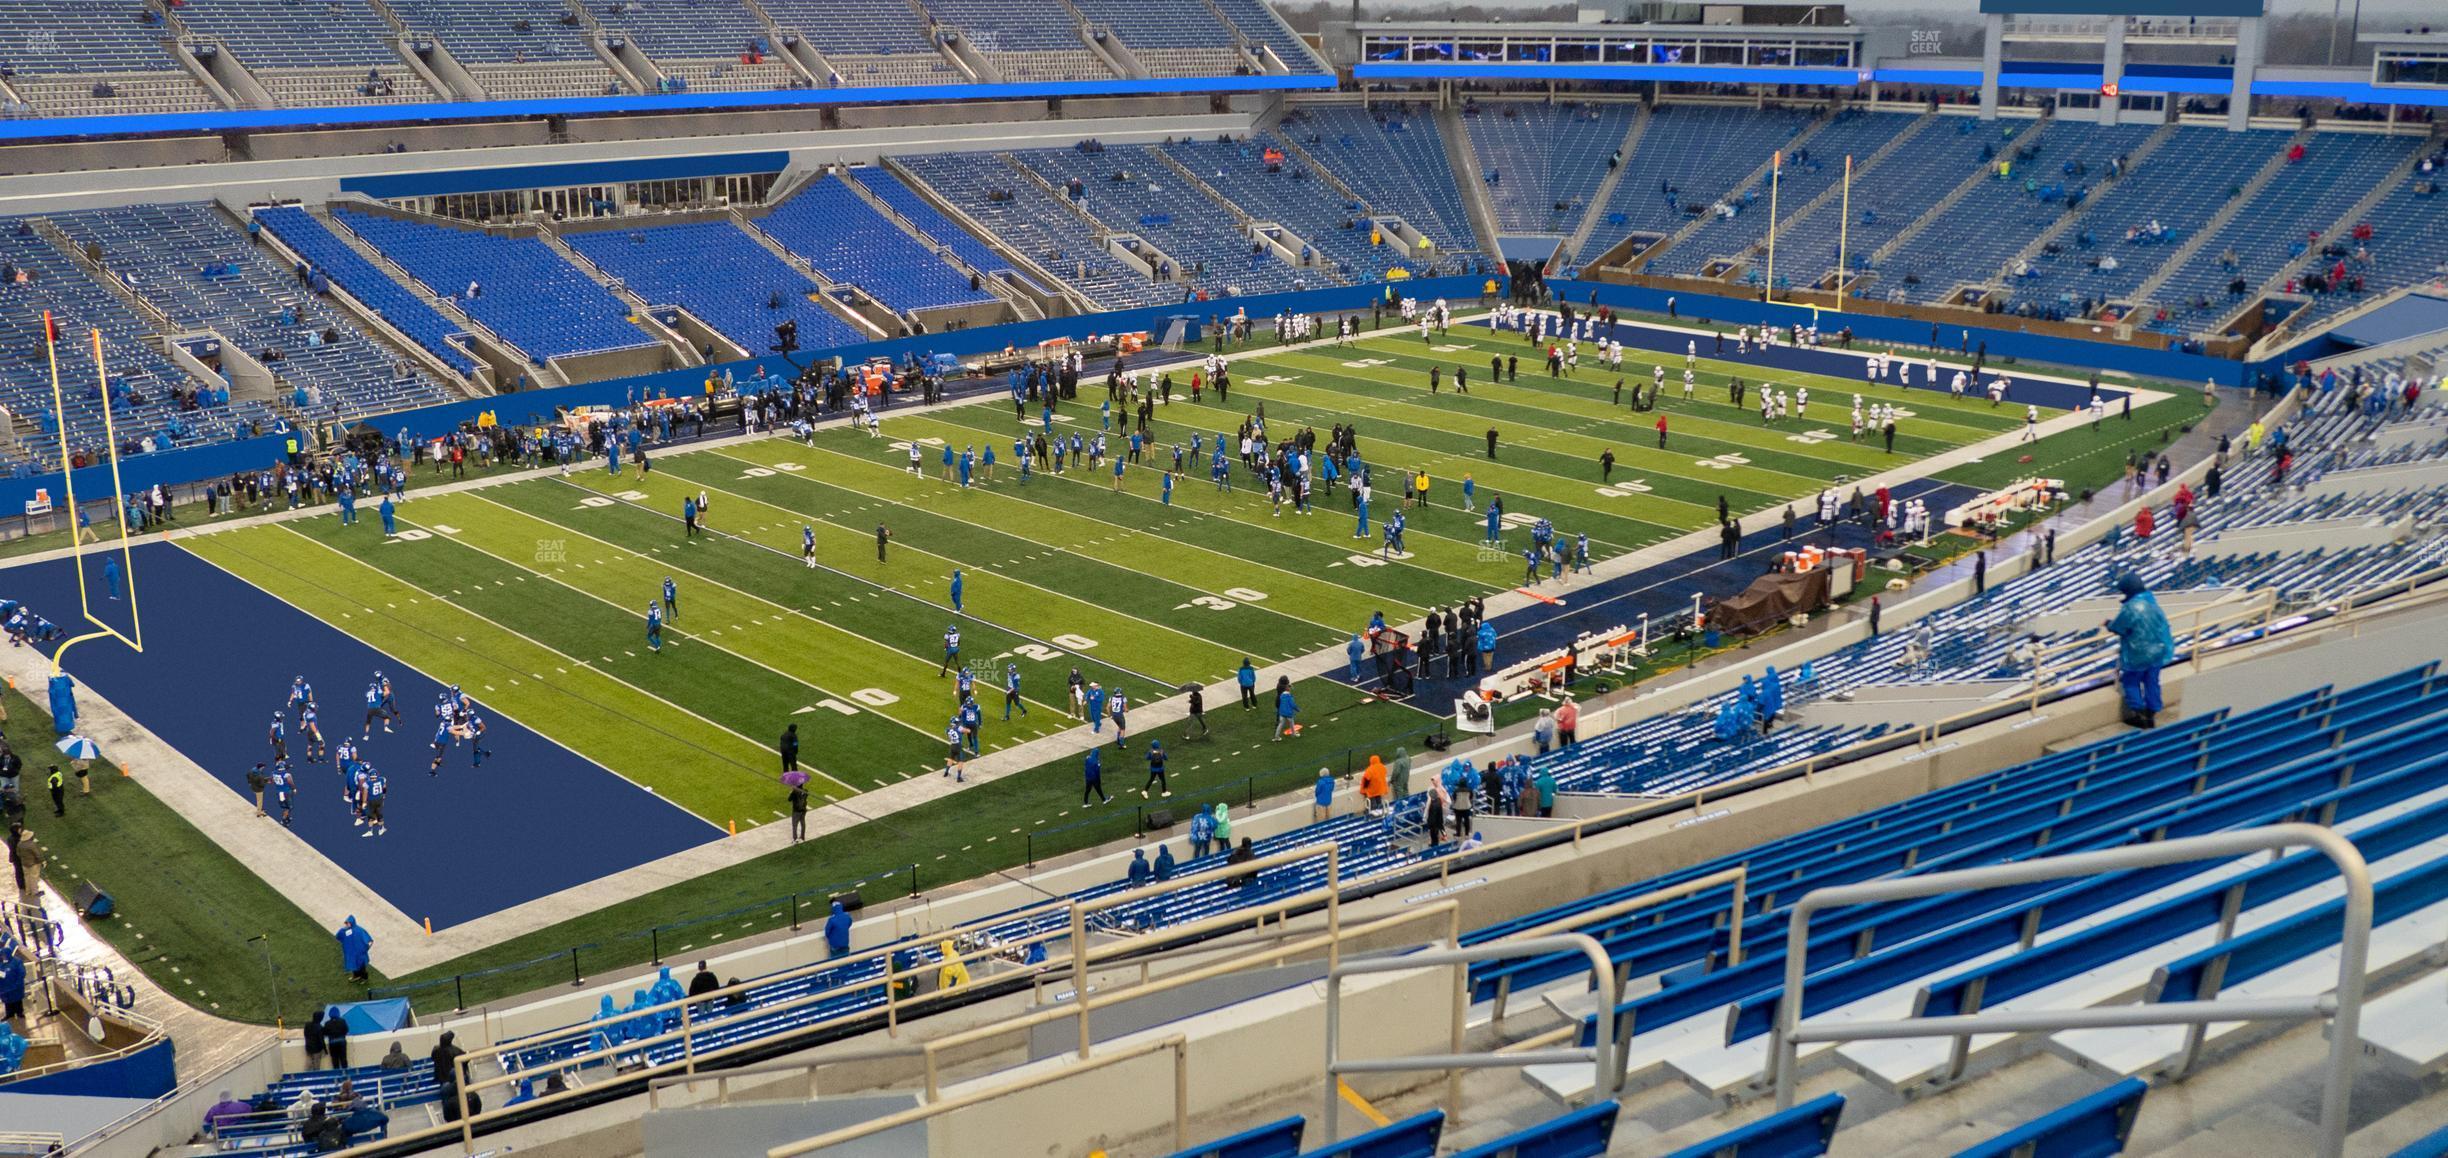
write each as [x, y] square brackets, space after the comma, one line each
[80, 748]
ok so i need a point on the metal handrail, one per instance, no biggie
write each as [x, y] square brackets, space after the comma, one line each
[1738, 876]
[2344, 1007]
[1607, 1071]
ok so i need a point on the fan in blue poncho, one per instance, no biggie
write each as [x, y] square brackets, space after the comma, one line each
[837, 931]
[607, 1025]
[2145, 644]
[641, 1024]
[665, 992]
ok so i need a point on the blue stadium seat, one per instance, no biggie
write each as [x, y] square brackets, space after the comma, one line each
[1393, 158]
[1028, 221]
[720, 275]
[1273, 1140]
[1413, 1137]
[198, 268]
[1583, 1133]
[1801, 1132]
[1688, 157]
[516, 49]
[2094, 1127]
[838, 232]
[1544, 155]
[531, 298]
[344, 267]
[2199, 976]
[58, 51]
[2431, 1145]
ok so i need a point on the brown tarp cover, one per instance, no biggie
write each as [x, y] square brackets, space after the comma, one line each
[1769, 600]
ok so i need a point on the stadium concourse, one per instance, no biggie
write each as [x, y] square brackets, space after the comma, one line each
[1080, 577]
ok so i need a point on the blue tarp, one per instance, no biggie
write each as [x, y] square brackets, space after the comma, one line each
[378, 1016]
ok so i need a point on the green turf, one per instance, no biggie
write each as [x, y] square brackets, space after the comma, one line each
[2083, 458]
[189, 913]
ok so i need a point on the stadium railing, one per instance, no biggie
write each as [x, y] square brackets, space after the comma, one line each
[499, 1061]
[2342, 1007]
[1599, 1053]
[784, 911]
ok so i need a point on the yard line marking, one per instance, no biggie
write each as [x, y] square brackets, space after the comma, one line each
[753, 544]
[754, 598]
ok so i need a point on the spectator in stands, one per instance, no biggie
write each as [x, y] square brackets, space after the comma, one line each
[13, 988]
[1568, 722]
[1141, 872]
[1164, 862]
[226, 1112]
[1321, 798]
[1373, 785]
[2145, 645]
[445, 1058]
[1202, 833]
[335, 1037]
[1543, 731]
[703, 981]
[313, 1030]
[1463, 791]
[837, 930]
[953, 973]
[395, 1061]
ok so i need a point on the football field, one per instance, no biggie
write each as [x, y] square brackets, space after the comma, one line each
[532, 593]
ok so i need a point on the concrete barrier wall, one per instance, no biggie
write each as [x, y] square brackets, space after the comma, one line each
[1274, 1046]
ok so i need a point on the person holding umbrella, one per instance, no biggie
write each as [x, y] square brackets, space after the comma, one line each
[1198, 708]
[796, 781]
[81, 753]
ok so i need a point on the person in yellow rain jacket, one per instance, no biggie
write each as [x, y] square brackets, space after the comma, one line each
[953, 974]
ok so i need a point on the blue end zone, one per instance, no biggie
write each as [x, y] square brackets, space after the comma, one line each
[219, 655]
